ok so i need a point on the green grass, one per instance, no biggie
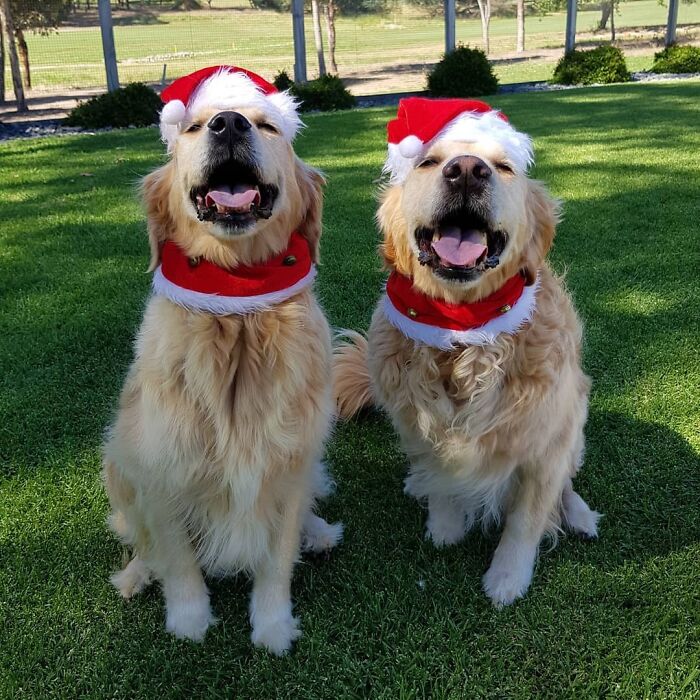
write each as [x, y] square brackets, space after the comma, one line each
[388, 616]
[262, 41]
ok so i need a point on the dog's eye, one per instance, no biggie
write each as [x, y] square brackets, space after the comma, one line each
[504, 168]
[427, 163]
[192, 128]
[266, 126]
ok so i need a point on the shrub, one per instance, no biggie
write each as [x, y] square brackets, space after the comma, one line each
[133, 105]
[605, 64]
[282, 81]
[677, 59]
[326, 93]
[463, 72]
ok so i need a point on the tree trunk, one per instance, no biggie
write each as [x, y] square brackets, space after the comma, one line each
[318, 37]
[520, 39]
[24, 57]
[605, 10]
[6, 21]
[2, 65]
[612, 20]
[485, 14]
[330, 27]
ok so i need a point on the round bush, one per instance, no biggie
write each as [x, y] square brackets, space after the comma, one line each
[605, 64]
[326, 93]
[282, 81]
[463, 72]
[677, 59]
[133, 105]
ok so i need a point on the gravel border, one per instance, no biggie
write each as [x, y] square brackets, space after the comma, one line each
[55, 127]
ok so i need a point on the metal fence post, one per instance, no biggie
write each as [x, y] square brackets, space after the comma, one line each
[449, 26]
[672, 21]
[299, 41]
[570, 41]
[108, 49]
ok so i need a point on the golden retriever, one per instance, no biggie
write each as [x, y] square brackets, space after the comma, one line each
[493, 426]
[213, 463]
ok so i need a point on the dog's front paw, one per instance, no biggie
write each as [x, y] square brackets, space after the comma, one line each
[318, 536]
[189, 619]
[276, 633]
[504, 584]
[578, 516]
[446, 524]
[132, 579]
[443, 532]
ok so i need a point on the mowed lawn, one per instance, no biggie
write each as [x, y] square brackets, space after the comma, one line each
[387, 615]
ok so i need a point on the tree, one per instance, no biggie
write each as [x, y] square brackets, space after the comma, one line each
[520, 37]
[39, 16]
[7, 22]
[318, 36]
[2, 65]
[330, 28]
[485, 15]
[605, 12]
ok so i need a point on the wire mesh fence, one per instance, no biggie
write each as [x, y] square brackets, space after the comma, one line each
[376, 46]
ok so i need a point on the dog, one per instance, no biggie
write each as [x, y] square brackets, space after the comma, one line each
[474, 351]
[212, 465]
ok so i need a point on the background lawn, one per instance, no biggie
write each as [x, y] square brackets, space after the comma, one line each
[388, 616]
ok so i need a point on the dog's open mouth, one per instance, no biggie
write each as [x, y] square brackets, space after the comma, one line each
[461, 246]
[234, 196]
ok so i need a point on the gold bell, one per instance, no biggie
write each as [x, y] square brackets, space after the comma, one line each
[505, 308]
[193, 262]
[412, 312]
[289, 260]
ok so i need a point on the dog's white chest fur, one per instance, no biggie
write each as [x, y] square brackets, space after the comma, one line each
[223, 426]
[443, 411]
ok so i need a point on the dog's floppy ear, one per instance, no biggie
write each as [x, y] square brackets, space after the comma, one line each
[311, 183]
[155, 190]
[390, 221]
[543, 215]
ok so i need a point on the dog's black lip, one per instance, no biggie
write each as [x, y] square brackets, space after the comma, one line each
[231, 172]
[496, 241]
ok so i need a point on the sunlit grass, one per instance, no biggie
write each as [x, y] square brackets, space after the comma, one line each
[388, 616]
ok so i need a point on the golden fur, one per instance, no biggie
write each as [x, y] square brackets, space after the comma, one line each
[213, 461]
[493, 430]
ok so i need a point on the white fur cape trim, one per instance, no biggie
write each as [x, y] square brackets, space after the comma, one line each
[225, 305]
[230, 90]
[470, 127]
[444, 339]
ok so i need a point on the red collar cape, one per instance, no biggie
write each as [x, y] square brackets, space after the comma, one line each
[446, 326]
[200, 285]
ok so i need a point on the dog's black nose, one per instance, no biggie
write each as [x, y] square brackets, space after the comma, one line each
[467, 172]
[229, 125]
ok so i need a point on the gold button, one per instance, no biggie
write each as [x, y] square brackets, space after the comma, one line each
[505, 308]
[412, 312]
[289, 260]
[193, 262]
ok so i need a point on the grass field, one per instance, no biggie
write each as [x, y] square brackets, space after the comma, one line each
[262, 41]
[388, 616]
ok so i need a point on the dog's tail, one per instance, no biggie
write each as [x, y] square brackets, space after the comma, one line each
[352, 387]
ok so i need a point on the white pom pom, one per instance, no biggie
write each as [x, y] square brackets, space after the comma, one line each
[173, 112]
[410, 147]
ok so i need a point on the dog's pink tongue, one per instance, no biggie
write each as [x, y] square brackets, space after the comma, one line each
[240, 199]
[459, 248]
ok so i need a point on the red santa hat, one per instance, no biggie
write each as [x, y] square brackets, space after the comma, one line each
[225, 87]
[420, 121]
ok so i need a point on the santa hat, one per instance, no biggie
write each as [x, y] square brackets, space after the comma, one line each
[420, 121]
[225, 87]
